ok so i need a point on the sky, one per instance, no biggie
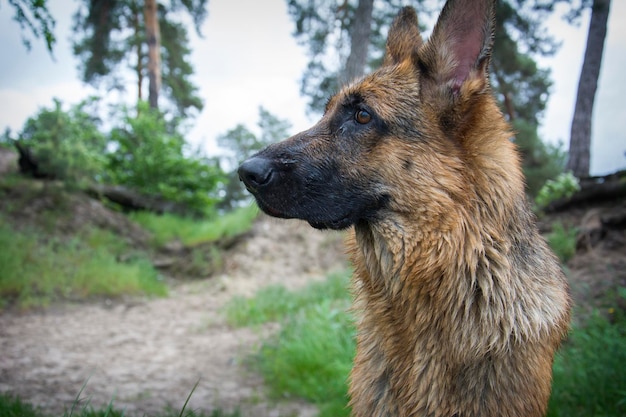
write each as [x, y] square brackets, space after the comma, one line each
[247, 57]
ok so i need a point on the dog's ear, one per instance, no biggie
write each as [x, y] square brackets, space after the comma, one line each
[460, 45]
[404, 39]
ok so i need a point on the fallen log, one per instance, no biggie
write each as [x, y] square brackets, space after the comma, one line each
[593, 190]
[131, 200]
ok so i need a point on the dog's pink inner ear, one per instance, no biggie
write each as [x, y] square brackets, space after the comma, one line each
[460, 45]
[404, 38]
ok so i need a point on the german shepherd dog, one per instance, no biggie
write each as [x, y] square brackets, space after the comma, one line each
[460, 304]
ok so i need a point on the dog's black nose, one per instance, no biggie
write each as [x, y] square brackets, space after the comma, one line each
[256, 172]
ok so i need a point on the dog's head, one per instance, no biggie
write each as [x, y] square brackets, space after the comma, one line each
[409, 137]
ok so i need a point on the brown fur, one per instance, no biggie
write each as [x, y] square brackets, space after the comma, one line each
[460, 303]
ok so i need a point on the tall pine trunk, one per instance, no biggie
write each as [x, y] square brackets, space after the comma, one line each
[580, 138]
[153, 36]
[359, 41]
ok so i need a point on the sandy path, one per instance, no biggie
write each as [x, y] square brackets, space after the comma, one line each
[148, 354]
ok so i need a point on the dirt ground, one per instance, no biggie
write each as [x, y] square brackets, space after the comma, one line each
[147, 354]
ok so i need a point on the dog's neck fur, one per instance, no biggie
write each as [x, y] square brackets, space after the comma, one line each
[462, 300]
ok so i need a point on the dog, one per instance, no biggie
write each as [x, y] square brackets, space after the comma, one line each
[460, 303]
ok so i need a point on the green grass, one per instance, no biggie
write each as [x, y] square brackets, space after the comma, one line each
[35, 271]
[11, 406]
[311, 357]
[562, 240]
[191, 232]
[589, 371]
[275, 302]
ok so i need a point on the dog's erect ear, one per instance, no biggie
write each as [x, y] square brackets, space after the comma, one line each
[460, 45]
[404, 38]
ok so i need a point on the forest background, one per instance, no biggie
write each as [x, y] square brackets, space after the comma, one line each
[245, 56]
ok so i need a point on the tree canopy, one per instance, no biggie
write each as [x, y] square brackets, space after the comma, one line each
[33, 16]
[112, 33]
[327, 27]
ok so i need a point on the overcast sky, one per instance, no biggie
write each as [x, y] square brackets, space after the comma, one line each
[247, 57]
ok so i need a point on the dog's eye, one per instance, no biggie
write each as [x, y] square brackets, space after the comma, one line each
[362, 117]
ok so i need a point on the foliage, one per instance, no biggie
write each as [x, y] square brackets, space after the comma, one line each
[110, 35]
[562, 240]
[563, 186]
[67, 145]
[168, 227]
[151, 158]
[34, 16]
[521, 87]
[589, 377]
[323, 26]
[176, 70]
[540, 161]
[242, 143]
[35, 271]
[312, 355]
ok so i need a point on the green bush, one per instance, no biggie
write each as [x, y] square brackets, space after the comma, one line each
[564, 185]
[67, 145]
[540, 161]
[153, 159]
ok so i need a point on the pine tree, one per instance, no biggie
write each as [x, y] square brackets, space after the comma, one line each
[111, 33]
[329, 29]
[34, 16]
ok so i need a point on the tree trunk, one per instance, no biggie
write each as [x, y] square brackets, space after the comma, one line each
[359, 42]
[138, 44]
[153, 36]
[580, 137]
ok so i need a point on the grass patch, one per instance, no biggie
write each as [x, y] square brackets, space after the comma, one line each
[191, 232]
[11, 406]
[562, 240]
[311, 357]
[35, 271]
[589, 377]
[275, 302]
[14, 407]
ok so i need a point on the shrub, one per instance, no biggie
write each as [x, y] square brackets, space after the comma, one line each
[67, 145]
[153, 159]
[540, 161]
[563, 186]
